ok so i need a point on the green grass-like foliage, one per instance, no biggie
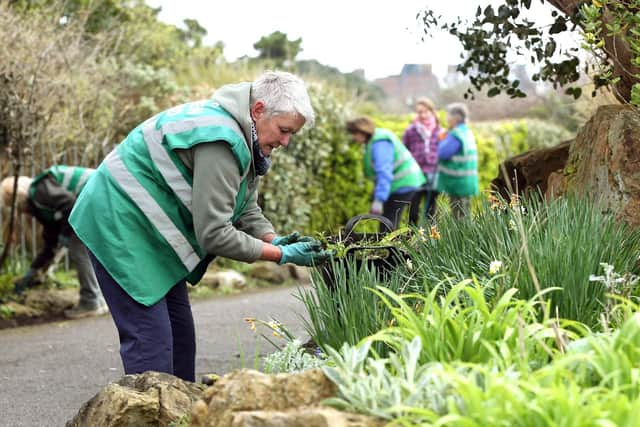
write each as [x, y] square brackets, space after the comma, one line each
[464, 325]
[566, 240]
[593, 383]
[346, 311]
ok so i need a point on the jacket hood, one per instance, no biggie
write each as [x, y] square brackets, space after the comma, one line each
[235, 98]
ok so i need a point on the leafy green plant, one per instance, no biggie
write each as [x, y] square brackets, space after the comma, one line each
[616, 286]
[463, 325]
[292, 358]
[593, 383]
[6, 312]
[383, 387]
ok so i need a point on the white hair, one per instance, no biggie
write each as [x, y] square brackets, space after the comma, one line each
[458, 109]
[282, 93]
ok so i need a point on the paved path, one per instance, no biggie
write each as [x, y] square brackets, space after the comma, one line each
[48, 371]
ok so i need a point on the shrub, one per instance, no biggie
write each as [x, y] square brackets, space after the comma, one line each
[291, 358]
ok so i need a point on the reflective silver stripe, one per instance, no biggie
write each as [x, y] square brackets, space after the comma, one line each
[468, 158]
[455, 172]
[413, 169]
[83, 178]
[171, 174]
[162, 161]
[403, 158]
[66, 180]
[190, 123]
[154, 213]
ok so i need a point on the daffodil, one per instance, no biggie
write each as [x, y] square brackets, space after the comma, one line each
[515, 201]
[252, 323]
[494, 202]
[495, 267]
[434, 233]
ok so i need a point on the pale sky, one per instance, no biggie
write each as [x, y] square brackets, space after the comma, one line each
[378, 36]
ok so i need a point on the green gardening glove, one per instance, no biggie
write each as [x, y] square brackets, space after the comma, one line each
[304, 253]
[291, 238]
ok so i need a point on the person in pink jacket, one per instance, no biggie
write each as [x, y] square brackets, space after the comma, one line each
[422, 138]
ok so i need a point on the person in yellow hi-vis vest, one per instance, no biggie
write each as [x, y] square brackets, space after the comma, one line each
[178, 191]
[49, 198]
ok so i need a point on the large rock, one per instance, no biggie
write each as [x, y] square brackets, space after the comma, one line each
[224, 280]
[269, 272]
[248, 398]
[604, 162]
[300, 274]
[149, 399]
[52, 301]
[305, 417]
[22, 311]
[530, 171]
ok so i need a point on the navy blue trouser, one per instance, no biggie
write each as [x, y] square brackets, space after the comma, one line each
[157, 338]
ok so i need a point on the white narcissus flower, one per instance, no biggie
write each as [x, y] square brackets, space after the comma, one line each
[409, 265]
[494, 267]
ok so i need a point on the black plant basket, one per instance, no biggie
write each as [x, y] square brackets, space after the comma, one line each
[386, 259]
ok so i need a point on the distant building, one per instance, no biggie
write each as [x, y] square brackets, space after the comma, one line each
[414, 81]
[519, 72]
[453, 77]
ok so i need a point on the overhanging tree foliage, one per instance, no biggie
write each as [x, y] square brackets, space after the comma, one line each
[610, 29]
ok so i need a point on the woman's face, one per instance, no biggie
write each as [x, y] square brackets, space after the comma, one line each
[274, 131]
[423, 113]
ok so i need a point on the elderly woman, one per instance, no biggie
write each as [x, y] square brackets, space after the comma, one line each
[422, 138]
[458, 161]
[178, 191]
[396, 173]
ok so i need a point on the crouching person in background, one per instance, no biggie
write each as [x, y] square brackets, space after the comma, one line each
[49, 198]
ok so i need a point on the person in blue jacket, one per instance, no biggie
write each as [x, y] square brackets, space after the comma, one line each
[389, 163]
[458, 162]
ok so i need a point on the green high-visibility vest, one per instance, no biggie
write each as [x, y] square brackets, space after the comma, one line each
[71, 178]
[406, 171]
[458, 176]
[150, 245]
